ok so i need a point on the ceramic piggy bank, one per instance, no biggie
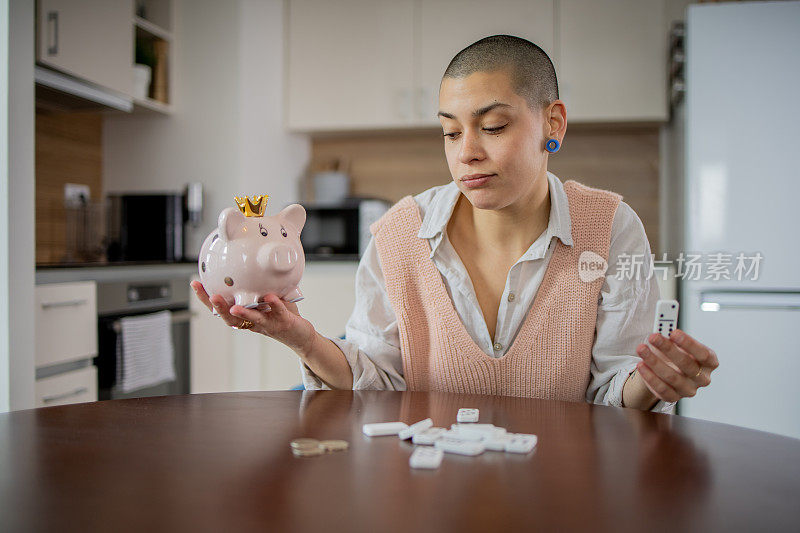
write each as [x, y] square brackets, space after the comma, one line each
[249, 255]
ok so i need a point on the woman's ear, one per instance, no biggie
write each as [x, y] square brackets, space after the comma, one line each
[557, 120]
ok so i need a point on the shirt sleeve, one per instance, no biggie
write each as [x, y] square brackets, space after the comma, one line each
[372, 341]
[625, 311]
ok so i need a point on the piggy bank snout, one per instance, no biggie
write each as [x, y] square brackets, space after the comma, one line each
[277, 257]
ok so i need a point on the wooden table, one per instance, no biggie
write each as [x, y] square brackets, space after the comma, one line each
[222, 462]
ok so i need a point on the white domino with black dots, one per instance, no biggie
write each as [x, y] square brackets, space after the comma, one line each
[467, 436]
[413, 429]
[426, 457]
[666, 318]
[467, 415]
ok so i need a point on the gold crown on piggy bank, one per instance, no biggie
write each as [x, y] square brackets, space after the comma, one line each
[252, 207]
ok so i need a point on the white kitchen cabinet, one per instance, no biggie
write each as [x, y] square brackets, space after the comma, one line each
[329, 291]
[377, 65]
[448, 26]
[66, 314]
[613, 60]
[89, 39]
[350, 64]
[69, 387]
[211, 344]
[225, 359]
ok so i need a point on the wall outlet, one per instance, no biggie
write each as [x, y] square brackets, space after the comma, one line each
[76, 195]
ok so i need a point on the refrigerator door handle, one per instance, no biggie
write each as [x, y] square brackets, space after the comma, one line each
[751, 300]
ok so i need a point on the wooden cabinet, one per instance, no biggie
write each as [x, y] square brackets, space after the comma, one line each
[613, 60]
[377, 65]
[350, 64]
[90, 39]
[448, 26]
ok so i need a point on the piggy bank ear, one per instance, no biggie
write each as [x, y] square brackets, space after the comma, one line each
[294, 215]
[230, 224]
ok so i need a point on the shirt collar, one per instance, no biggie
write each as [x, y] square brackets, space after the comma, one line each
[438, 213]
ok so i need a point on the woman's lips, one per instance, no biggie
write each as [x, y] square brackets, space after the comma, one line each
[476, 180]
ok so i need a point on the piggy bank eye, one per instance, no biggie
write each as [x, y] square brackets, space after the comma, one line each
[263, 230]
[283, 231]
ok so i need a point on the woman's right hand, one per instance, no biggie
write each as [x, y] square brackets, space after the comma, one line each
[281, 322]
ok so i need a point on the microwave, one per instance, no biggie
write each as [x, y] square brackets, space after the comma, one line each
[146, 227]
[341, 229]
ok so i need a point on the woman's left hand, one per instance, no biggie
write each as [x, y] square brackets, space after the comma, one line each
[675, 367]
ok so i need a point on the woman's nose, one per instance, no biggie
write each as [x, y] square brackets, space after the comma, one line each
[471, 148]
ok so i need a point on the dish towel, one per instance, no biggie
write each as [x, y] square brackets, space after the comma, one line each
[144, 351]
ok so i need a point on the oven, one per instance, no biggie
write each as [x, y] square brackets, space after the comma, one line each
[116, 300]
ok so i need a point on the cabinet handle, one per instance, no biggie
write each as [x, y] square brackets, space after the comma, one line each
[76, 392]
[67, 303]
[750, 300]
[52, 33]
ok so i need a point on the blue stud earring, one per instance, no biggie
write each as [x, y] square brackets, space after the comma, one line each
[553, 145]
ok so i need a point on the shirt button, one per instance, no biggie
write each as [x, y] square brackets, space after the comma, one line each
[498, 346]
[511, 296]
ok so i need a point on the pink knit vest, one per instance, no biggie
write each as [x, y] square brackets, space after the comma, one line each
[552, 352]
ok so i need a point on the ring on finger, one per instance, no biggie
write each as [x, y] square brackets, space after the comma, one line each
[246, 324]
[699, 371]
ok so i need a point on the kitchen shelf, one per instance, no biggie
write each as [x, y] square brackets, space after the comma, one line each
[148, 105]
[153, 30]
[155, 44]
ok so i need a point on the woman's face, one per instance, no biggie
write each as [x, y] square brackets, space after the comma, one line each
[494, 142]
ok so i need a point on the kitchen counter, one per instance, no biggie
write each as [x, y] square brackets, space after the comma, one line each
[109, 264]
[115, 272]
[144, 271]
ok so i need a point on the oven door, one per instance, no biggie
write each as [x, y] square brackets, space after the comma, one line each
[106, 361]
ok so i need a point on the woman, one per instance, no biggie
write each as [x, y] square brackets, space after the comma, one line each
[476, 286]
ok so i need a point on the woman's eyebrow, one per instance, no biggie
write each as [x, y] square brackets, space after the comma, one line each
[478, 112]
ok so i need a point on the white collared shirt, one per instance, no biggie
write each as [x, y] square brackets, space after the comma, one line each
[624, 314]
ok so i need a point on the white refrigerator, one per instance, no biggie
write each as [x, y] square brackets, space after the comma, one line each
[741, 195]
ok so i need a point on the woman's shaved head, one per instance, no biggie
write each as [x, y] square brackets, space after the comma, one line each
[532, 73]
